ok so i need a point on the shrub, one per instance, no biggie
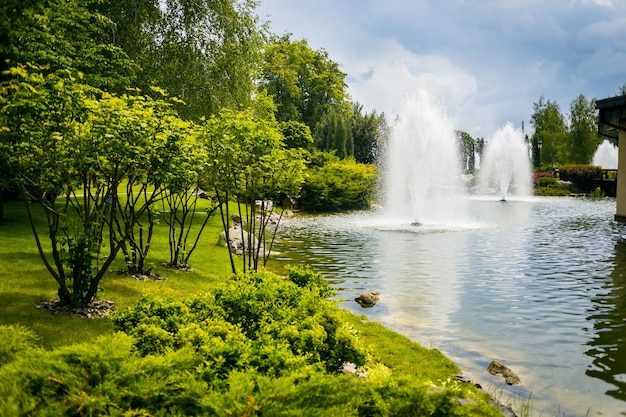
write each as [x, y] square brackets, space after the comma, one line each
[14, 340]
[584, 177]
[255, 320]
[547, 182]
[339, 185]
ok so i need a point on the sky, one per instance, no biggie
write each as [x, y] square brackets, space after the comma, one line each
[485, 61]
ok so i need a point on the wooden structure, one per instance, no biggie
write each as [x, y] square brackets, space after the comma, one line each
[612, 124]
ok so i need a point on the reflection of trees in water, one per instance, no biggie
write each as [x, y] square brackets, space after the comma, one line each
[608, 348]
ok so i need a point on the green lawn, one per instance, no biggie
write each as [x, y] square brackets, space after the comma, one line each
[25, 282]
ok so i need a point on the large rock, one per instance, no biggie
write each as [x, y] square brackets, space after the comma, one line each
[236, 244]
[368, 299]
[496, 367]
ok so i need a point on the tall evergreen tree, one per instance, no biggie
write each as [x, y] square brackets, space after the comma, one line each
[367, 129]
[333, 133]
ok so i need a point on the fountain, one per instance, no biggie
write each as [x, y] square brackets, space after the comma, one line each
[506, 163]
[606, 155]
[423, 182]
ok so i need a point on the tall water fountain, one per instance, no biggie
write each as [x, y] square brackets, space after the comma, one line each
[606, 155]
[423, 182]
[506, 163]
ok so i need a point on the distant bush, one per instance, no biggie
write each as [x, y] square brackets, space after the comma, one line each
[339, 185]
[557, 191]
[584, 177]
[547, 182]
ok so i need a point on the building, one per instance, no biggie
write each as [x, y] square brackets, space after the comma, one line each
[612, 124]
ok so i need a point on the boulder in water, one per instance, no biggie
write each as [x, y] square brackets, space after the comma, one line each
[496, 367]
[368, 299]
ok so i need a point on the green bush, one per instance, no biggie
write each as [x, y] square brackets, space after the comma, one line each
[584, 177]
[14, 341]
[262, 345]
[552, 191]
[339, 185]
[547, 182]
[110, 377]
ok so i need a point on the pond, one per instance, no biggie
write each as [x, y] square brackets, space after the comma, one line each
[539, 284]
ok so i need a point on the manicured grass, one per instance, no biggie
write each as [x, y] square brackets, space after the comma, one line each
[25, 282]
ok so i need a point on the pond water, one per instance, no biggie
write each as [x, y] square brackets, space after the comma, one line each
[539, 284]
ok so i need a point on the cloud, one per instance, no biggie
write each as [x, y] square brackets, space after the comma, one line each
[488, 61]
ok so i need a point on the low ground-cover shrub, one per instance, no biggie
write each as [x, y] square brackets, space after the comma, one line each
[276, 355]
[109, 376]
[258, 320]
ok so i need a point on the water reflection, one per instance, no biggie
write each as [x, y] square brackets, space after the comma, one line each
[538, 284]
[608, 347]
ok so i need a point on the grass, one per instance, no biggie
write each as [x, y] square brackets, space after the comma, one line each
[25, 282]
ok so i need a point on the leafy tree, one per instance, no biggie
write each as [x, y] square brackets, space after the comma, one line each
[205, 52]
[296, 135]
[550, 130]
[60, 35]
[467, 150]
[248, 163]
[150, 144]
[583, 138]
[63, 34]
[184, 199]
[334, 133]
[304, 83]
[47, 144]
[367, 134]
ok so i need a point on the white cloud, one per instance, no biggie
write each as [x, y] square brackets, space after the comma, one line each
[487, 61]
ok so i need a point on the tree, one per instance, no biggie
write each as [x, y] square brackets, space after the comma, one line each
[467, 151]
[334, 133]
[48, 146]
[184, 201]
[304, 83]
[296, 135]
[60, 35]
[249, 165]
[550, 130]
[367, 134]
[64, 34]
[149, 143]
[205, 52]
[583, 138]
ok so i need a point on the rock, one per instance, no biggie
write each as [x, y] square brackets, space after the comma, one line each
[368, 299]
[236, 244]
[496, 367]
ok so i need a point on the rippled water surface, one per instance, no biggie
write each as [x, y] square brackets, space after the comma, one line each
[539, 284]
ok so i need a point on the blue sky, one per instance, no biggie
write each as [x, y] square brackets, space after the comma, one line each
[486, 61]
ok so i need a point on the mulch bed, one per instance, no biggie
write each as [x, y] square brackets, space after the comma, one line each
[94, 310]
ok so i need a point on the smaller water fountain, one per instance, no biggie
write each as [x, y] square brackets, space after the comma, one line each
[606, 155]
[505, 165]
